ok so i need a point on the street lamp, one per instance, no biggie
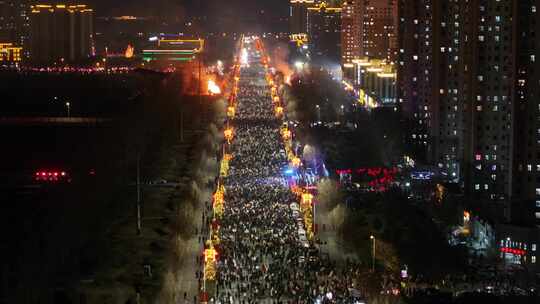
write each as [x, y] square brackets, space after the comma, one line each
[68, 106]
[373, 253]
[318, 113]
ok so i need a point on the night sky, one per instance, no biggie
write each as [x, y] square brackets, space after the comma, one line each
[141, 7]
[223, 14]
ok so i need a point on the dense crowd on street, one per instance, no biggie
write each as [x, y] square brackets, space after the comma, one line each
[261, 258]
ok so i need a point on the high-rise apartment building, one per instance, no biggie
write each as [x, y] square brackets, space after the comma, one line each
[324, 32]
[526, 153]
[61, 33]
[14, 22]
[369, 29]
[464, 76]
[349, 37]
[375, 22]
[10, 54]
[299, 16]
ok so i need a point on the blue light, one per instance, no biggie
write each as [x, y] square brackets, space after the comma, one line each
[289, 172]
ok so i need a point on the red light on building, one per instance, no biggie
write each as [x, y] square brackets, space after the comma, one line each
[51, 176]
[513, 251]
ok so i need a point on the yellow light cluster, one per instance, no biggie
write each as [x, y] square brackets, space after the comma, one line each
[219, 201]
[306, 206]
[323, 6]
[279, 111]
[229, 134]
[82, 8]
[300, 39]
[231, 111]
[210, 262]
[296, 162]
[224, 169]
[366, 100]
[199, 41]
[286, 134]
[10, 53]
[214, 234]
[379, 66]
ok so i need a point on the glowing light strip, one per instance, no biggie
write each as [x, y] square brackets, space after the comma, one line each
[168, 51]
[173, 58]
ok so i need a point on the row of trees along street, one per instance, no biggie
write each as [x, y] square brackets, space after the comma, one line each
[406, 233]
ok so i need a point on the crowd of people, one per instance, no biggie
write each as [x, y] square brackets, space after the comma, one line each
[261, 257]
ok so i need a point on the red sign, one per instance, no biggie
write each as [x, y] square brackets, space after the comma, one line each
[513, 251]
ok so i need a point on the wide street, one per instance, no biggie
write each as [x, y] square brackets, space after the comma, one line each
[265, 249]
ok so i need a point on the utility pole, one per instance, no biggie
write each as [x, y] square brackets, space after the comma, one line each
[373, 254]
[139, 224]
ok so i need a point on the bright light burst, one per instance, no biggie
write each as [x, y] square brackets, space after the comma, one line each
[213, 88]
[244, 57]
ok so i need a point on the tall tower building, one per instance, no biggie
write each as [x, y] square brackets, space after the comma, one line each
[463, 73]
[526, 170]
[61, 33]
[14, 22]
[369, 29]
[376, 24]
[299, 18]
[324, 32]
[349, 39]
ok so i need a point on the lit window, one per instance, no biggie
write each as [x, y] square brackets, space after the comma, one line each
[533, 247]
[533, 259]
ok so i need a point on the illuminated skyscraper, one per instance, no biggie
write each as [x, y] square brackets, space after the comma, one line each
[468, 76]
[61, 33]
[299, 19]
[299, 16]
[375, 23]
[526, 153]
[349, 38]
[324, 32]
[369, 29]
[14, 22]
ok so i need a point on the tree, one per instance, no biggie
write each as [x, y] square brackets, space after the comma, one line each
[329, 194]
